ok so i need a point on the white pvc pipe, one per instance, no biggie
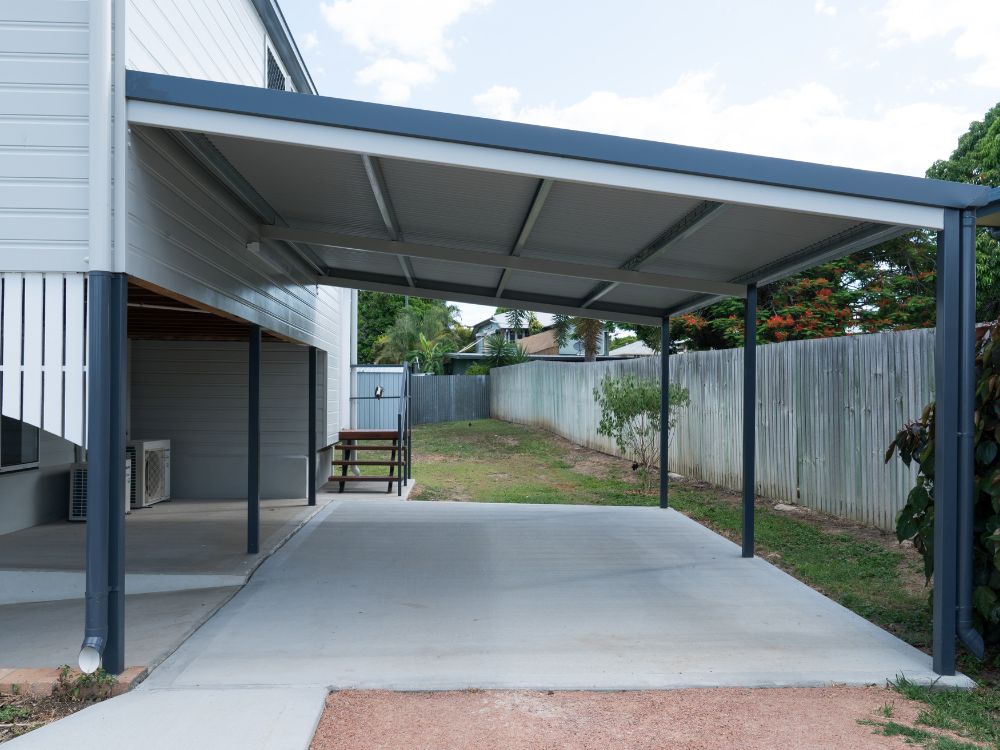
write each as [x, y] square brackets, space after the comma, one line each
[99, 233]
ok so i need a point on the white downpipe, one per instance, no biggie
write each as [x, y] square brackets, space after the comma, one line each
[121, 136]
[99, 231]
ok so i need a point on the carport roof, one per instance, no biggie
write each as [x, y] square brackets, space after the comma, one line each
[429, 204]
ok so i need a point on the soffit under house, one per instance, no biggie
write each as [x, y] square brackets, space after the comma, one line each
[407, 201]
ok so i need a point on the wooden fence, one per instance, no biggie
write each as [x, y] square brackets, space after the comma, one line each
[826, 411]
[448, 398]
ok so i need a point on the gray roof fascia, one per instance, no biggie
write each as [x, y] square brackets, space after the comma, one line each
[570, 144]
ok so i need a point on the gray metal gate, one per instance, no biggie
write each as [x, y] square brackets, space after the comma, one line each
[449, 398]
[367, 411]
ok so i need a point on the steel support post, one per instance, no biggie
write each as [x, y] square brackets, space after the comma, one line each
[749, 418]
[114, 653]
[665, 413]
[253, 443]
[103, 640]
[946, 427]
[311, 443]
[966, 483]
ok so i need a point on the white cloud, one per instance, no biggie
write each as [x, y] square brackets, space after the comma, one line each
[824, 8]
[310, 40]
[808, 122]
[973, 23]
[407, 42]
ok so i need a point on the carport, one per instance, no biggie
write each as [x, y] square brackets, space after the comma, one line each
[426, 204]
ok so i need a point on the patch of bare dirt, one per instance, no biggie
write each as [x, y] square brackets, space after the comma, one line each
[19, 714]
[758, 719]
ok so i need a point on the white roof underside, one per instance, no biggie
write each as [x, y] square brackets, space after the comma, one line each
[479, 202]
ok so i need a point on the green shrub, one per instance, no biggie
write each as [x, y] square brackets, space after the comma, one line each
[915, 444]
[630, 415]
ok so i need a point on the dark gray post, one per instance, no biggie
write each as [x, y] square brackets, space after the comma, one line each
[966, 497]
[665, 413]
[749, 418]
[311, 462]
[114, 653]
[946, 425]
[99, 396]
[253, 444]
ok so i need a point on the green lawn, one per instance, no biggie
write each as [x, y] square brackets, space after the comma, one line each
[500, 462]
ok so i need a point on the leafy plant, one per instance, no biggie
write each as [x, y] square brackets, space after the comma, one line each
[915, 444]
[630, 415]
[586, 330]
[75, 686]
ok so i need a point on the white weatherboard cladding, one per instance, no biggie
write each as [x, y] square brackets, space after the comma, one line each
[43, 359]
[194, 393]
[43, 134]
[188, 235]
[215, 40]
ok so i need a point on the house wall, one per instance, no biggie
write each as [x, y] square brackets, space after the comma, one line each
[43, 135]
[194, 393]
[34, 496]
[214, 40]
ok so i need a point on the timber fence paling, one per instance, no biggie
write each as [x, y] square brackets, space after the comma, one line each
[449, 398]
[826, 411]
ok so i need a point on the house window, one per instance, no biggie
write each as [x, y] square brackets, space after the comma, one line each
[275, 78]
[18, 445]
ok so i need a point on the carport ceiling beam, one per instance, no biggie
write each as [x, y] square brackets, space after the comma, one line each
[384, 202]
[544, 186]
[496, 260]
[681, 229]
[458, 292]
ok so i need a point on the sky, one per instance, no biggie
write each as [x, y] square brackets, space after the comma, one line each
[887, 85]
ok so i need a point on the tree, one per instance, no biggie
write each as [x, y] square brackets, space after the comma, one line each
[630, 415]
[499, 353]
[977, 160]
[418, 330]
[376, 313]
[915, 444]
[586, 330]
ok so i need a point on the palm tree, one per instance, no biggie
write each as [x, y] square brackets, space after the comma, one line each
[519, 320]
[586, 330]
[436, 325]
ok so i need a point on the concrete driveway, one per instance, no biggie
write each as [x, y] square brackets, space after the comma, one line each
[417, 596]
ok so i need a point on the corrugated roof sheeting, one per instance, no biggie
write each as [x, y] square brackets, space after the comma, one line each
[312, 185]
[644, 296]
[456, 207]
[608, 225]
[540, 283]
[357, 260]
[742, 239]
[435, 270]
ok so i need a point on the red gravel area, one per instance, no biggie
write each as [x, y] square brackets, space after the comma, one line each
[764, 719]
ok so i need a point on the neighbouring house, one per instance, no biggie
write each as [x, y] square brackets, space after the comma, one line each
[536, 345]
[632, 349]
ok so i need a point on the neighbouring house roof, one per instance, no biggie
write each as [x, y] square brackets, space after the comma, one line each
[634, 349]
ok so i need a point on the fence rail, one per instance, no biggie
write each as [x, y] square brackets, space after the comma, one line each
[826, 410]
[449, 398]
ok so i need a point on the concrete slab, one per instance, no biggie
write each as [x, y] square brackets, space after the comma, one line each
[415, 596]
[179, 536]
[250, 719]
[23, 586]
[48, 634]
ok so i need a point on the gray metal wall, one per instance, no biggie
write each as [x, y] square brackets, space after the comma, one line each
[449, 398]
[826, 411]
[194, 393]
